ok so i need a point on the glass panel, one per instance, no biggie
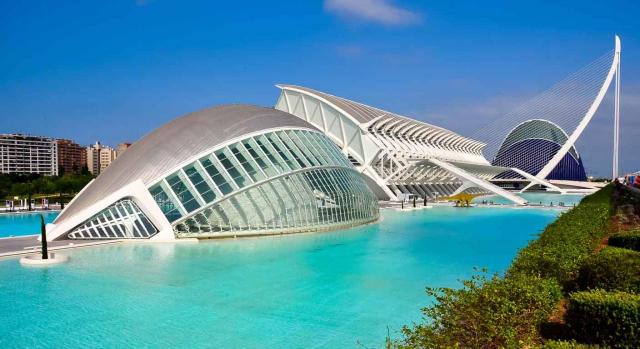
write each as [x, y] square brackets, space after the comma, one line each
[259, 157]
[217, 177]
[113, 223]
[166, 204]
[229, 164]
[304, 146]
[281, 151]
[272, 154]
[246, 162]
[319, 151]
[199, 183]
[292, 149]
[332, 150]
[182, 192]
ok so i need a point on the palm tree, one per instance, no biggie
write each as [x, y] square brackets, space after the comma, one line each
[43, 236]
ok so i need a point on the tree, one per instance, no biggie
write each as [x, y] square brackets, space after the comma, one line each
[23, 189]
[64, 185]
[43, 236]
[5, 185]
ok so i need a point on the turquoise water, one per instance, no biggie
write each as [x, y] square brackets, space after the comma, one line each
[16, 224]
[537, 198]
[326, 290]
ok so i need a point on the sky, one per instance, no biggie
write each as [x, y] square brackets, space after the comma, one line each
[112, 71]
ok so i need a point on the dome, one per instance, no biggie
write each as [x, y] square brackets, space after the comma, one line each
[197, 164]
[532, 144]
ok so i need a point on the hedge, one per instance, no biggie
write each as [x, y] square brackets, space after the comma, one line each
[508, 312]
[485, 313]
[609, 318]
[613, 269]
[629, 240]
[566, 345]
[565, 243]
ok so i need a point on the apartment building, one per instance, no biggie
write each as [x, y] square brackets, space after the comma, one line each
[24, 154]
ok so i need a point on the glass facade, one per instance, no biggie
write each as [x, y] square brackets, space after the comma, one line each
[122, 220]
[288, 180]
[304, 201]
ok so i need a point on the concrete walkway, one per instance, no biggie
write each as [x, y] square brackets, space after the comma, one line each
[20, 245]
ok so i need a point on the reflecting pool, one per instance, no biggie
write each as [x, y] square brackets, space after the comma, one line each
[17, 224]
[326, 290]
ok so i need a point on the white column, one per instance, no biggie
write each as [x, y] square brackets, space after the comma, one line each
[616, 121]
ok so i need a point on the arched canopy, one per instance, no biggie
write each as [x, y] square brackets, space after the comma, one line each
[172, 144]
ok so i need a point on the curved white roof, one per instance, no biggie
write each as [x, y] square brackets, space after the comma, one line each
[170, 145]
[391, 122]
[536, 129]
[360, 112]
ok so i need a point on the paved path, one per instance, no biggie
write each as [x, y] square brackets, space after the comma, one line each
[28, 244]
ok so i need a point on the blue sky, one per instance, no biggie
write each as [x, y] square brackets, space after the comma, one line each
[114, 70]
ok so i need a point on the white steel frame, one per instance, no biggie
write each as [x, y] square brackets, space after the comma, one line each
[613, 71]
[393, 150]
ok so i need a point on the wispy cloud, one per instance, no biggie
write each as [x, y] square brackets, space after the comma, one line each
[379, 11]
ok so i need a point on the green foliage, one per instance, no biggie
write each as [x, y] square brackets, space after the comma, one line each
[613, 269]
[609, 318]
[485, 313]
[29, 185]
[566, 345]
[565, 243]
[630, 240]
[507, 312]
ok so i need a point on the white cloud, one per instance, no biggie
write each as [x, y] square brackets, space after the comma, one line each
[380, 11]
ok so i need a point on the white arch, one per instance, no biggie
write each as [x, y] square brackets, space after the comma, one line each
[544, 172]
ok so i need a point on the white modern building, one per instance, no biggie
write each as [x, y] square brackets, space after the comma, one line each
[398, 155]
[24, 154]
[540, 136]
[532, 144]
[535, 144]
[232, 170]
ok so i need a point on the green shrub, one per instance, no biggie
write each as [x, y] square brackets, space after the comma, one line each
[485, 313]
[609, 318]
[629, 240]
[613, 269]
[625, 196]
[566, 345]
[565, 243]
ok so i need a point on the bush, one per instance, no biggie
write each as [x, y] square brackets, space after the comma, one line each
[613, 269]
[629, 240]
[565, 243]
[609, 318]
[566, 345]
[485, 313]
[626, 196]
